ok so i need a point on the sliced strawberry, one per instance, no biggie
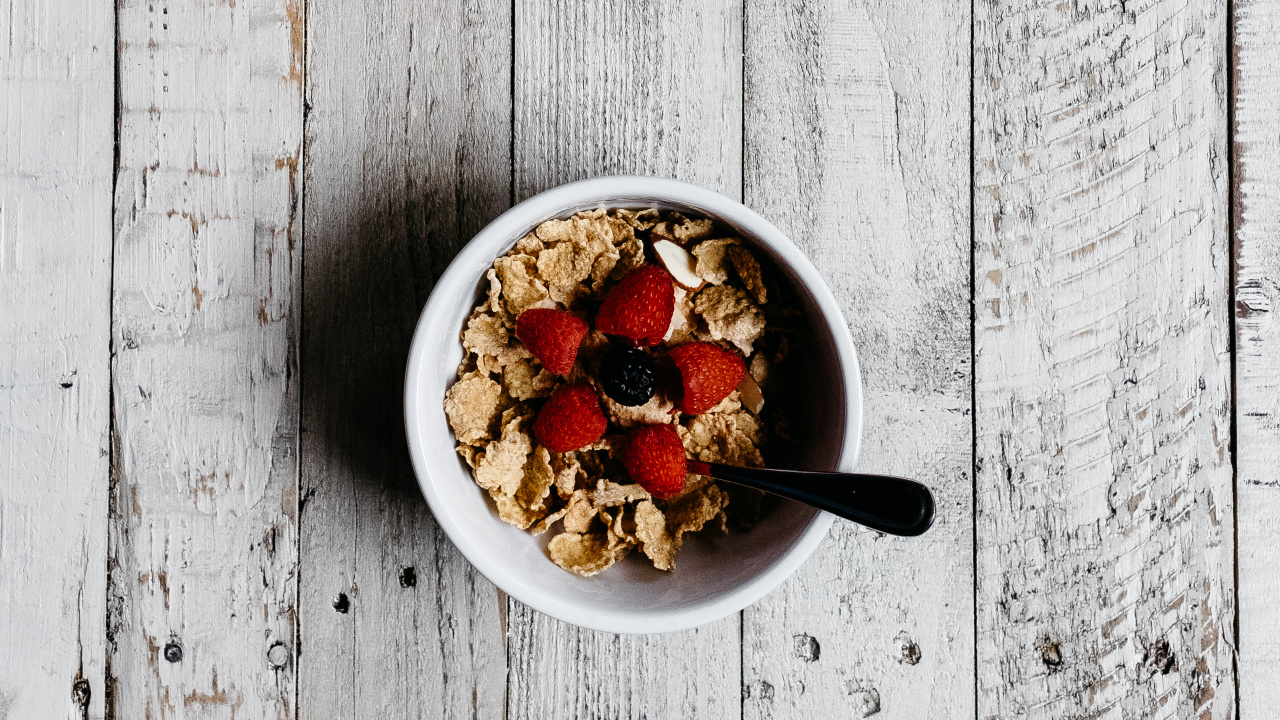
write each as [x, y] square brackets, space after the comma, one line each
[571, 419]
[708, 372]
[655, 459]
[640, 307]
[553, 336]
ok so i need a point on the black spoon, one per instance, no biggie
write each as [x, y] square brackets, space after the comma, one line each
[893, 505]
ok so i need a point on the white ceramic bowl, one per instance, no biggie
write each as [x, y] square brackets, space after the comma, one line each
[714, 576]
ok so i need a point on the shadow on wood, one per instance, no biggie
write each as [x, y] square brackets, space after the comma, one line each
[369, 271]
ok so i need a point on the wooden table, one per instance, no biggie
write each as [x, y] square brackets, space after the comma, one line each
[1053, 228]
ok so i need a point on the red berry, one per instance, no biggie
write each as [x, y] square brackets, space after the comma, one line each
[655, 459]
[553, 336]
[571, 419]
[640, 307]
[709, 374]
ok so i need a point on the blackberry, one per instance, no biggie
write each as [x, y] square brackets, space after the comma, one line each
[627, 376]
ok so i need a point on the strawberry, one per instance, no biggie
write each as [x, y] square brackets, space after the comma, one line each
[571, 419]
[640, 307]
[709, 374]
[655, 459]
[553, 336]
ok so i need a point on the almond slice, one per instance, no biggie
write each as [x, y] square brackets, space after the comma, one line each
[679, 263]
[750, 394]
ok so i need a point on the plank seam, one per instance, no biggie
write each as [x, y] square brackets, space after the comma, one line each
[973, 343]
[511, 145]
[1233, 200]
[113, 478]
[299, 498]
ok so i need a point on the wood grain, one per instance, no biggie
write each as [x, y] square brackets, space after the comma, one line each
[56, 73]
[1257, 293]
[251, 542]
[857, 120]
[203, 566]
[620, 88]
[1102, 361]
[408, 155]
[625, 88]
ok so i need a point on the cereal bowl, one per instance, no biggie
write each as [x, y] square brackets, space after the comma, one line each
[714, 576]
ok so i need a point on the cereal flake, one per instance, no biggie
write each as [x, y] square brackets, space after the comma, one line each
[521, 290]
[567, 469]
[512, 511]
[472, 405]
[731, 438]
[658, 410]
[693, 510]
[585, 554]
[711, 259]
[524, 381]
[581, 512]
[485, 334]
[639, 219]
[493, 301]
[651, 530]
[610, 494]
[748, 269]
[730, 315]
[538, 479]
[502, 465]
[692, 230]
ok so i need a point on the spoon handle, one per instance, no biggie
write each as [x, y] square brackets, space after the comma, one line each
[893, 505]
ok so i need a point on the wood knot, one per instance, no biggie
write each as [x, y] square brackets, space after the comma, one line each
[1160, 658]
[866, 698]
[806, 647]
[408, 577]
[1050, 653]
[341, 603]
[908, 650]
[173, 652]
[761, 690]
[81, 692]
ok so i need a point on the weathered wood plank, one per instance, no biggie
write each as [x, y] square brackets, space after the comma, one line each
[1102, 361]
[57, 131]
[625, 88]
[857, 122]
[1257, 287]
[203, 574]
[408, 155]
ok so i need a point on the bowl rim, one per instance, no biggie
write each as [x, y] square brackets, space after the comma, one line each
[613, 191]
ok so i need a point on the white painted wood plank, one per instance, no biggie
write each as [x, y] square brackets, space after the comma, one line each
[857, 146]
[203, 581]
[56, 140]
[628, 88]
[408, 156]
[611, 88]
[1257, 215]
[1103, 402]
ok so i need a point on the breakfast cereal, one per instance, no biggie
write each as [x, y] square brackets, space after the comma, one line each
[597, 513]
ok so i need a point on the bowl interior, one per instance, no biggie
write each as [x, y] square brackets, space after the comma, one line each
[631, 596]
